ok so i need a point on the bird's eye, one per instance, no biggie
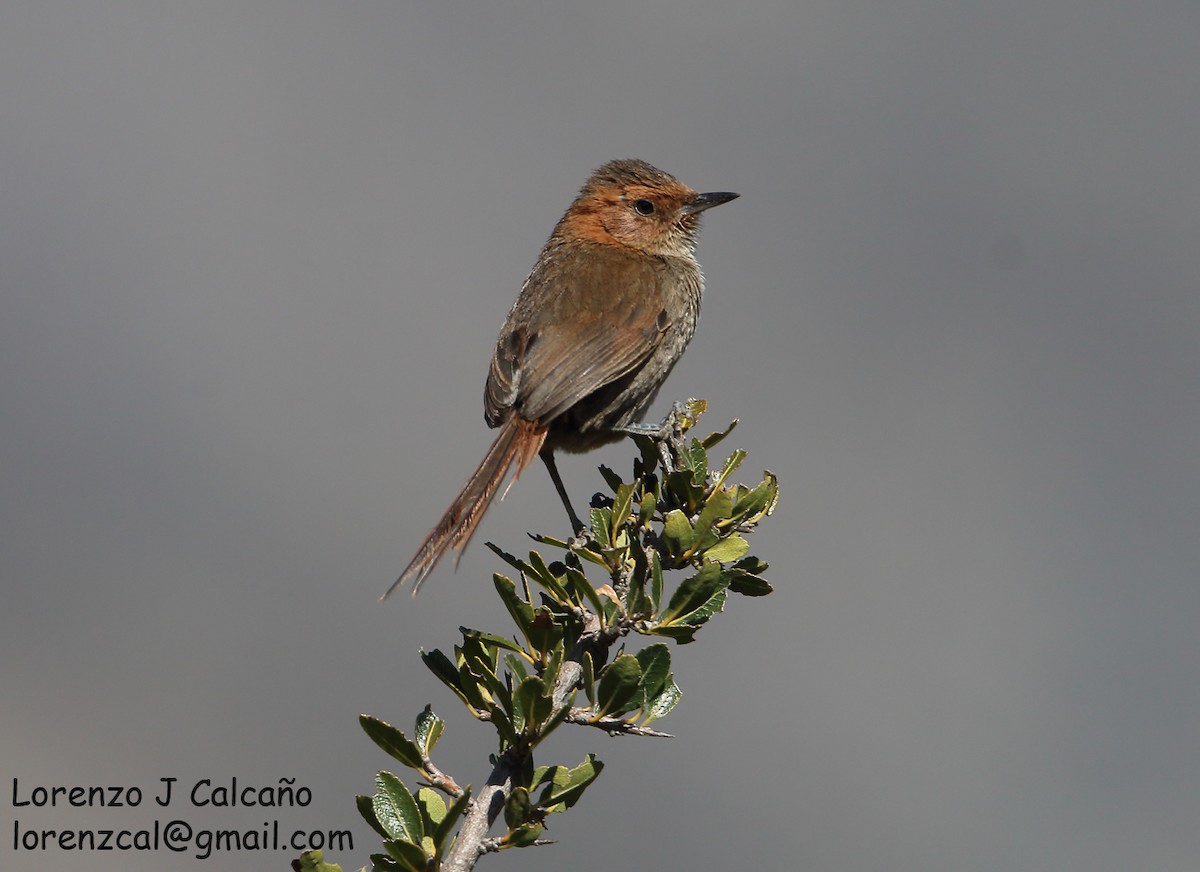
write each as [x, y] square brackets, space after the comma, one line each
[643, 207]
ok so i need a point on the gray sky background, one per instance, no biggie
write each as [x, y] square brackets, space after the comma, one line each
[253, 256]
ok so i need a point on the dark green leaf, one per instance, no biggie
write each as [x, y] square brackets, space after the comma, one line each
[547, 579]
[681, 633]
[686, 492]
[490, 639]
[428, 730]
[531, 700]
[718, 507]
[516, 666]
[518, 807]
[749, 585]
[511, 559]
[544, 631]
[409, 856]
[522, 836]
[568, 784]
[521, 611]
[618, 683]
[583, 590]
[656, 582]
[559, 715]
[439, 664]
[396, 810]
[610, 478]
[655, 661]
[366, 808]
[392, 740]
[698, 597]
[503, 725]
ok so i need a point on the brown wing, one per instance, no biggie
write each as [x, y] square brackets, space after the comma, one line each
[584, 319]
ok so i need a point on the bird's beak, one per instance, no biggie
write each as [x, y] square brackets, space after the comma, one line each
[700, 202]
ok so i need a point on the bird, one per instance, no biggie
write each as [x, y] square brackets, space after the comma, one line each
[604, 315]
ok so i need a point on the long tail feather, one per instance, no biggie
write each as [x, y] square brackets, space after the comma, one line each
[517, 443]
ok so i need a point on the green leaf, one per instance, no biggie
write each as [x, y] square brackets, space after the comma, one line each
[314, 861]
[433, 807]
[750, 506]
[666, 700]
[441, 832]
[600, 525]
[516, 666]
[551, 669]
[366, 808]
[610, 478]
[718, 507]
[447, 673]
[474, 692]
[396, 810]
[698, 460]
[511, 559]
[384, 863]
[732, 547]
[698, 597]
[584, 592]
[518, 808]
[503, 725]
[681, 633]
[655, 662]
[618, 683]
[656, 582]
[589, 677]
[647, 509]
[677, 533]
[428, 730]
[686, 492]
[749, 585]
[559, 714]
[521, 611]
[522, 836]
[392, 740]
[409, 856]
[490, 639]
[531, 700]
[544, 631]
[568, 784]
[433, 811]
[547, 579]
[622, 507]
[712, 439]
[732, 462]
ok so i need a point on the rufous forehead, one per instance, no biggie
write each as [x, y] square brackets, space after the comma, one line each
[675, 192]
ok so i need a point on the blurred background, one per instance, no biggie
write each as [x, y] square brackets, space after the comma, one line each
[253, 258]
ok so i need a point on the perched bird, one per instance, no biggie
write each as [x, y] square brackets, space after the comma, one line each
[606, 312]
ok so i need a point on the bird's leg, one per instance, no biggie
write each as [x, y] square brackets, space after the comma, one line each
[547, 455]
